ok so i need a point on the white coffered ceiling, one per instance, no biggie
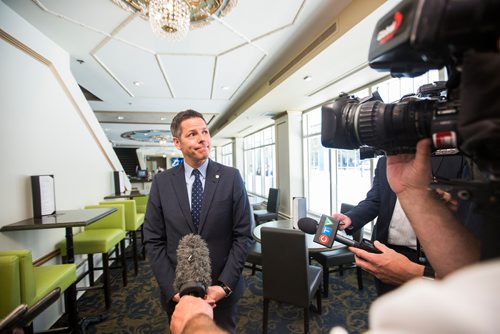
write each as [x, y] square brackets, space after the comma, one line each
[216, 69]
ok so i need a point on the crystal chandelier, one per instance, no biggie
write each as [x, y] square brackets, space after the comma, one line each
[173, 18]
[169, 18]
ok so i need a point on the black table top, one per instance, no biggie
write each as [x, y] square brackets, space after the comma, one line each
[127, 194]
[287, 224]
[63, 218]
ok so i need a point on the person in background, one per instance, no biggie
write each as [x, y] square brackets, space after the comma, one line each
[204, 197]
[401, 255]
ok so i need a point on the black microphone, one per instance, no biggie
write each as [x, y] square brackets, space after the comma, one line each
[328, 227]
[193, 272]
[308, 225]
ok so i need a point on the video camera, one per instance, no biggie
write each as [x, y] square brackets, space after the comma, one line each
[462, 113]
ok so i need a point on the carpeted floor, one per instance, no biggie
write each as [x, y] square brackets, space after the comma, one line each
[136, 308]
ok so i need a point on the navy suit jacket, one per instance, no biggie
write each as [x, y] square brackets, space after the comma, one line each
[225, 224]
[381, 200]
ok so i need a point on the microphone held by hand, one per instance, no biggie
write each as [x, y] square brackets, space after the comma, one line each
[326, 231]
[193, 272]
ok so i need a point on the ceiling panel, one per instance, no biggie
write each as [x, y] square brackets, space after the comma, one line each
[266, 17]
[130, 64]
[229, 78]
[189, 75]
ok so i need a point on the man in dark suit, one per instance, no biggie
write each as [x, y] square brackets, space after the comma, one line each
[399, 261]
[223, 221]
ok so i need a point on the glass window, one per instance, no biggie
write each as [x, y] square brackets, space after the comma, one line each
[227, 154]
[260, 161]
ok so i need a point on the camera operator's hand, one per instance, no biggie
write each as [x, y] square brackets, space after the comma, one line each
[390, 266]
[410, 172]
[192, 310]
[345, 220]
[447, 243]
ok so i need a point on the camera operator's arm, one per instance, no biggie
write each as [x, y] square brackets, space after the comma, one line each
[446, 242]
[390, 266]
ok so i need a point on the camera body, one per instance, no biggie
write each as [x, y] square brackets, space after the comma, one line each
[417, 36]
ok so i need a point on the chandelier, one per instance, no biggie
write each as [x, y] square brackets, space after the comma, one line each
[172, 19]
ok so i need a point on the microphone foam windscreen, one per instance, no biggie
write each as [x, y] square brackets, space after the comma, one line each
[308, 225]
[193, 262]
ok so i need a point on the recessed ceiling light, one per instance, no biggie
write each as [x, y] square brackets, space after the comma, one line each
[307, 78]
[225, 87]
[138, 83]
[163, 118]
[120, 117]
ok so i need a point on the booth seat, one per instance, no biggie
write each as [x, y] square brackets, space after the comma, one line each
[102, 237]
[141, 203]
[133, 224]
[23, 283]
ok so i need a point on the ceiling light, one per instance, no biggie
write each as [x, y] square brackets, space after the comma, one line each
[138, 83]
[307, 78]
[120, 118]
[173, 18]
[163, 118]
[225, 87]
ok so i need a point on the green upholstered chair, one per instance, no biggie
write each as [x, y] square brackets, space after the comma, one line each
[10, 289]
[141, 203]
[102, 237]
[133, 223]
[23, 283]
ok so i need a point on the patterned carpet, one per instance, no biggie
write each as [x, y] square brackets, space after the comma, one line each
[136, 308]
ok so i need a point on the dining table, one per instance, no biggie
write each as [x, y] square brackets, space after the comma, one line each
[287, 224]
[128, 194]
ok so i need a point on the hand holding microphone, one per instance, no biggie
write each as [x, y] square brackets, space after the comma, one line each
[344, 220]
[326, 232]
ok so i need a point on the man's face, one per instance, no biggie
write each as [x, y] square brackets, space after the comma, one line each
[194, 141]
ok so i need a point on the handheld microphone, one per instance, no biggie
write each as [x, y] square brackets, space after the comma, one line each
[193, 272]
[326, 232]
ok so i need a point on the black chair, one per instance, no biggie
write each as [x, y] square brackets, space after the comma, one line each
[254, 257]
[335, 260]
[273, 205]
[287, 275]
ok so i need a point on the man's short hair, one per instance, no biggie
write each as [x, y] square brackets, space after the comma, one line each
[175, 127]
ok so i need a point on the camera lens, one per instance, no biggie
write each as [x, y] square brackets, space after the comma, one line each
[392, 127]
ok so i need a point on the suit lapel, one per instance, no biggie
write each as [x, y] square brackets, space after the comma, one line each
[212, 180]
[179, 184]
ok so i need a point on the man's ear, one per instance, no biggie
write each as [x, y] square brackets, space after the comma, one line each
[177, 143]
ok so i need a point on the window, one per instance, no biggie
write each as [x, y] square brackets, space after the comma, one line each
[227, 154]
[260, 162]
[317, 166]
[213, 153]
